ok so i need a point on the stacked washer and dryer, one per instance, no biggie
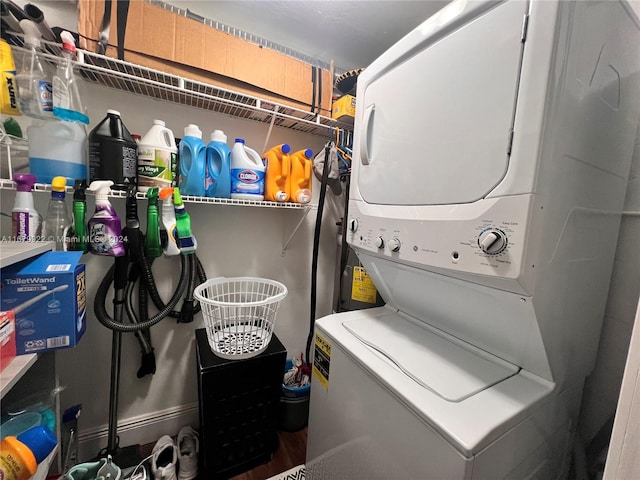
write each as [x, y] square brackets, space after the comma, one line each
[492, 150]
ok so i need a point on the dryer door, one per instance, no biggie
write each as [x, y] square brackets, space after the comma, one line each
[436, 118]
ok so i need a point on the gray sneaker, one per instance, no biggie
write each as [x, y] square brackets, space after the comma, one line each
[103, 469]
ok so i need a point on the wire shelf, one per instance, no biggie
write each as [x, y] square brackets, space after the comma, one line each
[6, 184]
[139, 80]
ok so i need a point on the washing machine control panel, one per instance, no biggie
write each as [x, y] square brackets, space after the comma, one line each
[485, 238]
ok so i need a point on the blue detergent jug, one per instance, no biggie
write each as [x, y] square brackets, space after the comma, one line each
[218, 175]
[192, 162]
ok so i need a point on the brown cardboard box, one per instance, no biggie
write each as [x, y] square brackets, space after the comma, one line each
[163, 40]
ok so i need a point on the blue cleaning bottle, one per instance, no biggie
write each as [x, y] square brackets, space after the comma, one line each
[192, 151]
[218, 175]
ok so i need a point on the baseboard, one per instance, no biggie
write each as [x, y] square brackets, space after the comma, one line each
[139, 430]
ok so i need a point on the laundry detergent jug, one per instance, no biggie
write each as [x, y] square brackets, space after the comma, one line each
[301, 166]
[157, 158]
[113, 152]
[192, 162]
[218, 174]
[247, 173]
[278, 169]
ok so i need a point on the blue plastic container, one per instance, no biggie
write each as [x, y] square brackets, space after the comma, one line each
[193, 162]
[218, 174]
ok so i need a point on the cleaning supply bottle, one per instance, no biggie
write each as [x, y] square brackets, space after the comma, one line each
[26, 222]
[57, 222]
[184, 238]
[33, 82]
[113, 152]
[8, 90]
[20, 456]
[57, 148]
[157, 158]
[169, 234]
[105, 227]
[193, 153]
[247, 172]
[277, 177]
[152, 244]
[67, 104]
[301, 166]
[218, 173]
[78, 236]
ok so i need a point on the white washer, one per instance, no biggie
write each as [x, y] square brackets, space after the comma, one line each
[492, 150]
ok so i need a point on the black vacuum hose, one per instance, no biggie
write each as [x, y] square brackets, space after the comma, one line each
[316, 248]
[105, 319]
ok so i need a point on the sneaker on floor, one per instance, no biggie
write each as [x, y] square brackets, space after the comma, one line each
[164, 458]
[188, 448]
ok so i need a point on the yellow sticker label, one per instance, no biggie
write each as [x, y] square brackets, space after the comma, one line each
[362, 287]
[322, 360]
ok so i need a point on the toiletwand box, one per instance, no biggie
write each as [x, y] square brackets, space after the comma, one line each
[47, 296]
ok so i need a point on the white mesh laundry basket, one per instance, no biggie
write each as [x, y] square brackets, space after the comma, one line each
[239, 314]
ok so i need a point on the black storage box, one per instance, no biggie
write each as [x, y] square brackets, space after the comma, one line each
[239, 405]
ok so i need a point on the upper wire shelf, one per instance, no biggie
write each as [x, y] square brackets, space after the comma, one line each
[148, 82]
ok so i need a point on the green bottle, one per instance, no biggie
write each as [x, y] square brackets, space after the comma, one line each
[186, 241]
[152, 246]
[78, 239]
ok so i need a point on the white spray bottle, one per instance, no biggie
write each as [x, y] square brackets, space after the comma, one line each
[170, 246]
[26, 222]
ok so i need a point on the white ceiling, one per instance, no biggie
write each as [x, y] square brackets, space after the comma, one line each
[351, 33]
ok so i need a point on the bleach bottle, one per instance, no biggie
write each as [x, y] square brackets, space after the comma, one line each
[157, 158]
[192, 162]
[247, 173]
[301, 166]
[218, 174]
[278, 179]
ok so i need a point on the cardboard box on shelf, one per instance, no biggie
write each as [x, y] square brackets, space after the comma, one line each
[163, 40]
[47, 297]
[344, 109]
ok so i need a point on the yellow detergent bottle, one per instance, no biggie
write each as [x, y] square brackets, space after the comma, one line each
[277, 184]
[301, 165]
[8, 91]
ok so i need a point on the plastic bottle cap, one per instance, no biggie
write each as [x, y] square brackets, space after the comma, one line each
[192, 130]
[308, 153]
[40, 440]
[218, 136]
[286, 148]
[24, 181]
[59, 184]
[68, 42]
[159, 122]
[240, 140]
[113, 112]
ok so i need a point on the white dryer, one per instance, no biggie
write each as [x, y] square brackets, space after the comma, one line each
[492, 150]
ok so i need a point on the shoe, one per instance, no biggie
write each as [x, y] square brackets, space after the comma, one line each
[164, 458]
[188, 448]
[104, 469]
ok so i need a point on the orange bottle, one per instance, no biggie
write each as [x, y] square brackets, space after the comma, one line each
[277, 182]
[301, 164]
[20, 456]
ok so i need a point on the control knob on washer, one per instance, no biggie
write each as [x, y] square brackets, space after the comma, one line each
[492, 241]
[379, 242]
[394, 244]
[353, 224]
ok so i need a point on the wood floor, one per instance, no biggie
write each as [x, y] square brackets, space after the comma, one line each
[290, 453]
